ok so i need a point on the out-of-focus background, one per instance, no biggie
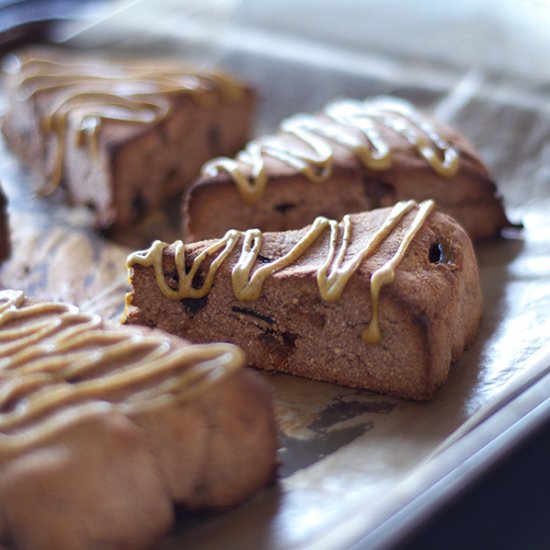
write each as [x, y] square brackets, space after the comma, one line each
[503, 37]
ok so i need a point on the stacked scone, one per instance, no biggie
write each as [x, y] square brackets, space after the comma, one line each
[326, 251]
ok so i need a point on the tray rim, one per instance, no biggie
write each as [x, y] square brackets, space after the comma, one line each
[519, 411]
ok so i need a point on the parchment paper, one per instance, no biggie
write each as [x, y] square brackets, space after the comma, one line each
[341, 449]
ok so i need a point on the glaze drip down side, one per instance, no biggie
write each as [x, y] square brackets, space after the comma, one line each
[137, 93]
[247, 282]
[305, 144]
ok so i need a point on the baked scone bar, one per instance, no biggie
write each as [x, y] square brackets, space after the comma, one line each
[383, 300]
[104, 428]
[119, 136]
[351, 157]
[4, 235]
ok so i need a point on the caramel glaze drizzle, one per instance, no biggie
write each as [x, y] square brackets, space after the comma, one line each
[59, 366]
[304, 143]
[133, 93]
[332, 276]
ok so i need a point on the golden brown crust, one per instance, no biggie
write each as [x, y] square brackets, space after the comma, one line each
[428, 315]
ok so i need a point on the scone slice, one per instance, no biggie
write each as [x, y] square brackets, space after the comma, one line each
[383, 300]
[351, 157]
[105, 428]
[119, 137]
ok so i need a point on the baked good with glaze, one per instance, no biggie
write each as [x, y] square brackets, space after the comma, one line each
[119, 136]
[4, 234]
[104, 428]
[352, 157]
[384, 300]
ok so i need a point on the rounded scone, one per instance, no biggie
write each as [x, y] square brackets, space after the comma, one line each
[384, 300]
[106, 428]
[352, 157]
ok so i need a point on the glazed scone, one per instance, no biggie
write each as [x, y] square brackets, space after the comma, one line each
[4, 234]
[352, 157]
[384, 300]
[119, 137]
[104, 428]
